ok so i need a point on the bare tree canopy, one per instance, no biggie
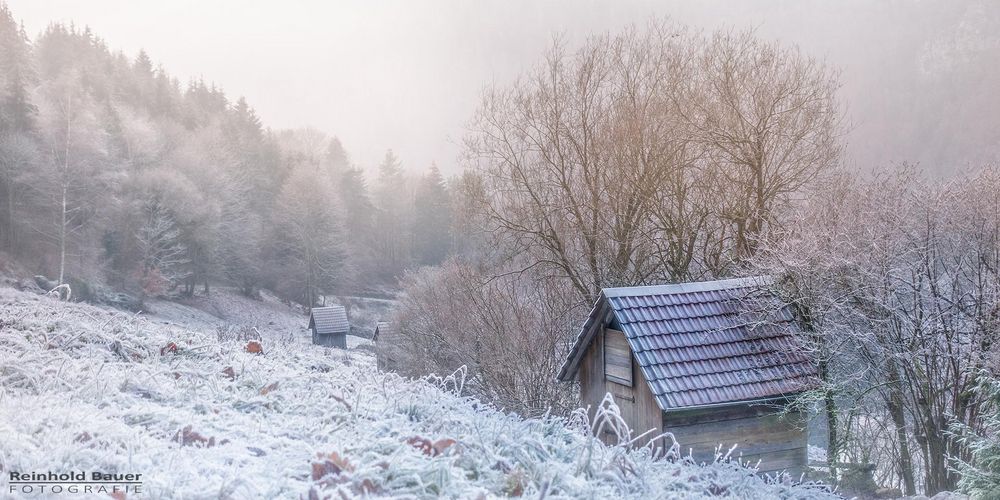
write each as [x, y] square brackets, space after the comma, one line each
[899, 279]
[652, 155]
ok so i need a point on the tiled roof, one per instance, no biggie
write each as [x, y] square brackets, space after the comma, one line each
[330, 319]
[702, 344]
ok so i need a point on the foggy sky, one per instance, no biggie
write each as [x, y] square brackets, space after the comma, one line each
[407, 75]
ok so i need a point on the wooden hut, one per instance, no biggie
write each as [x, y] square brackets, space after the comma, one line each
[381, 327]
[329, 326]
[713, 363]
[386, 345]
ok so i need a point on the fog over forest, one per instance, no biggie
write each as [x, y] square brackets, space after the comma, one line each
[917, 76]
[789, 204]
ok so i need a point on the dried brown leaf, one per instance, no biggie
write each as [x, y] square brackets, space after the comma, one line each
[170, 348]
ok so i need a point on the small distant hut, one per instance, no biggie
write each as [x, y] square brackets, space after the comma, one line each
[713, 363]
[385, 346]
[329, 326]
[380, 327]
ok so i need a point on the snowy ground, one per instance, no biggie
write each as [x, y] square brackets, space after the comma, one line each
[85, 388]
[228, 310]
[224, 306]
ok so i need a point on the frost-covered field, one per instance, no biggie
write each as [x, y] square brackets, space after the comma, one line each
[84, 388]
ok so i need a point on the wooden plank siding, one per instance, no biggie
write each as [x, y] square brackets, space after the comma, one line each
[636, 402]
[330, 340]
[759, 433]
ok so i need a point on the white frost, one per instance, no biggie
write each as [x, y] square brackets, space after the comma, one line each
[83, 388]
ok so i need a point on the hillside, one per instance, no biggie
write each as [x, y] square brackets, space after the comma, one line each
[226, 310]
[85, 388]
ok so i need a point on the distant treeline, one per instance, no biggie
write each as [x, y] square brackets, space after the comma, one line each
[112, 172]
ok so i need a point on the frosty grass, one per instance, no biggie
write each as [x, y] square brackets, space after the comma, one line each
[91, 389]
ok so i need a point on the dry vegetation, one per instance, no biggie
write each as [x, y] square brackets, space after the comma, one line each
[88, 388]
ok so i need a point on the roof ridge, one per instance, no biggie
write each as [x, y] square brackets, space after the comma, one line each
[679, 288]
[331, 306]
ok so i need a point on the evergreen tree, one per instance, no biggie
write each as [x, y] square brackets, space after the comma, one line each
[980, 475]
[390, 171]
[17, 113]
[431, 219]
[357, 204]
[392, 239]
[109, 168]
[18, 151]
[143, 65]
[166, 93]
[337, 156]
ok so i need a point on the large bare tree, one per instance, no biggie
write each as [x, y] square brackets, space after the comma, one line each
[507, 332]
[652, 155]
[769, 123]
[898, 279]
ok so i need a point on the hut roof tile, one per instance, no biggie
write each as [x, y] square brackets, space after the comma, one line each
[704, 344]
[329, 319]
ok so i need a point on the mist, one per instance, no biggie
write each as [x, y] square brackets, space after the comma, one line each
[918, 77]
[466, 249]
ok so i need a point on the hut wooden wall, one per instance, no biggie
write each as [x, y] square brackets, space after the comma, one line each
[760, 433]
[330, 340]
[637, 405]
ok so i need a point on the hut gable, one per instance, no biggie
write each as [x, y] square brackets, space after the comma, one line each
[387, 348]
[381, 328]
[703, 344]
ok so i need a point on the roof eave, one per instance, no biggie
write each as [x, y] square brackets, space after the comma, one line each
[758, 401]
[570, 367]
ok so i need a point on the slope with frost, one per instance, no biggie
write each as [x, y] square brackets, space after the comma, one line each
[85, 388]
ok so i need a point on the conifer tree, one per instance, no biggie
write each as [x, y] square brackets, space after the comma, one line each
[392, 239]
[431, 219]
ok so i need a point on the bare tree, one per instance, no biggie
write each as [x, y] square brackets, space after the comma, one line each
[573, 155]
[652, 155]
[75, 145]
[307, 237]
[769, 122]
[898, 278]
[164, 258]
[508, 332]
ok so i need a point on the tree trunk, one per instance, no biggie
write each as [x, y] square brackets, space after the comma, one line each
[62, 238]
[11, 237]
[939, 477]
[833, 446]
[895, 407]
[65, 180]
[309, 289]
